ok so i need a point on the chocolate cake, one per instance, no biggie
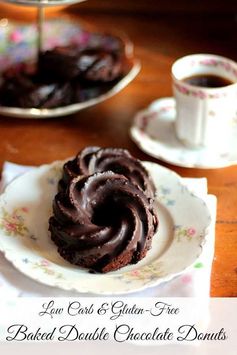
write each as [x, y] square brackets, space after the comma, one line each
[67, 63]
[95, 159]
[104, 216]
[22, 88]
[62, 76]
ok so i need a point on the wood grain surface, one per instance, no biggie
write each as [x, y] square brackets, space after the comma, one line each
[159, 40]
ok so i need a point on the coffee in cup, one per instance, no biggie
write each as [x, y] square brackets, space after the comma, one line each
[205, 89]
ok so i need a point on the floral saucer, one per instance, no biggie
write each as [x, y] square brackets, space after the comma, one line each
[26, 206]
[153, 131]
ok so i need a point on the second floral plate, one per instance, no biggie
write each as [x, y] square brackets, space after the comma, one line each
[25, 208]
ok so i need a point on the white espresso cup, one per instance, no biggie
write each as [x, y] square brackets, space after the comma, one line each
[204, 114]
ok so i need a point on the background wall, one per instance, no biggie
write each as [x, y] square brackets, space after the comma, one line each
[161, 6]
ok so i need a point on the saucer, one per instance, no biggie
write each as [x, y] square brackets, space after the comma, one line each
[153, 131]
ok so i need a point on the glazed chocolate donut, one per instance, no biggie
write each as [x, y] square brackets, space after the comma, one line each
[102, 221]
[21, 88]
[59, 64]
[94, 159]
[65, 75]
[71, 62]
[99, 65]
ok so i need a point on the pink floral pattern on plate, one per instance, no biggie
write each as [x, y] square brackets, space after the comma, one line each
[47, 268]
[145, 274]
[14, 223]
[184, 232]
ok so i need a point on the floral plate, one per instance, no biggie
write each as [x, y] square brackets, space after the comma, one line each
[153, 131]
[18, 44]
[26, 206]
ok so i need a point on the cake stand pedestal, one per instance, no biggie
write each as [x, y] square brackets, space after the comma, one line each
[40, 5]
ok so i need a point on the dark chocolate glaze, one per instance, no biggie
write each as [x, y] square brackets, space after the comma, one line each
[99, 65]
[102, 221]
[21, 87]
[94, 159]
[67, 63]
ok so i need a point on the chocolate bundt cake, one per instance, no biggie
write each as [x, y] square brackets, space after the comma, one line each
[95, 159]
[22, 88]
[67, 63]
[103, 219]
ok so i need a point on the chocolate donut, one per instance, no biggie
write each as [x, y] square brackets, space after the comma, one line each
[99, 65]
[59, 64]
[65, 75]
[95, 159]
[102, 221]
[22, 88]
[90, 64]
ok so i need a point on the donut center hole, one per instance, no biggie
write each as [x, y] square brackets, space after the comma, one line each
[107, 214]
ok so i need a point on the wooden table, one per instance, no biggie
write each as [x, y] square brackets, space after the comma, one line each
[158, 40]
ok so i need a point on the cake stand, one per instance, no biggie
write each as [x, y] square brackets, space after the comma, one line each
[132, 68]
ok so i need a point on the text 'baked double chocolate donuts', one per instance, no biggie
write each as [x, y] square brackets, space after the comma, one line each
[104, 219]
